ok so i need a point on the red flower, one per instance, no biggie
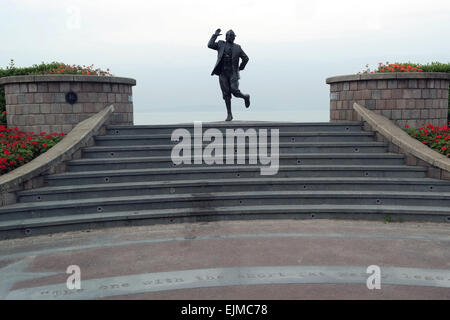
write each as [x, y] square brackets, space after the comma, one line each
[33, 142]
[444, 148]
[406, 126]
[44, 145]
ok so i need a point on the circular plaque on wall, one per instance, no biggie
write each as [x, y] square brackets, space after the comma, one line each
[71, 97]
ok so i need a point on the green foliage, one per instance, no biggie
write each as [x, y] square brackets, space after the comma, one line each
[436, 67]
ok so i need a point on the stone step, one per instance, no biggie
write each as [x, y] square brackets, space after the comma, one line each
[263, 183]
[292, 147]
[95, 164]
[222, 126]
[228, 172]
[327, 170]
[36, 226]
[164, 139]
[224, 199]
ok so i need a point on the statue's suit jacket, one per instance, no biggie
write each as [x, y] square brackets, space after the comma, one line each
[237, 53]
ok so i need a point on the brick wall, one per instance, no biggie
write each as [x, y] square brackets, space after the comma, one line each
[399, 97]
[38, 103]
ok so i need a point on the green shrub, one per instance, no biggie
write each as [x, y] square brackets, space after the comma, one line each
[436, 67]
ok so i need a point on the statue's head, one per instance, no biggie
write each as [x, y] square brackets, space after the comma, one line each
[230, 36]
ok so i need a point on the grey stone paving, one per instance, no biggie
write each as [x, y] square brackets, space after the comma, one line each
[284, 259]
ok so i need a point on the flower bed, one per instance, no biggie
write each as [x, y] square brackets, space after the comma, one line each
[19, 147]
[408, 67]
[437, 138]
[394, 67]
[62, 68]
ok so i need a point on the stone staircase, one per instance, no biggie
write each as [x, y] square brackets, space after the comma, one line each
[326, 170]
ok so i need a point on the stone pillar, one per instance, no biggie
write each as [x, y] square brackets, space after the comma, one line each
[38, 102]
[413, 98]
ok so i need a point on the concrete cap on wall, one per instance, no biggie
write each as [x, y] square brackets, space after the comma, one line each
[66, 78]
[390, 75]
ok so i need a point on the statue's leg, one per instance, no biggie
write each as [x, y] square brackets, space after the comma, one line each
[228, 104]
[234, 83]
[226, 93]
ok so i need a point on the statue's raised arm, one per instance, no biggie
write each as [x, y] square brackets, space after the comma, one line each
[212, 44]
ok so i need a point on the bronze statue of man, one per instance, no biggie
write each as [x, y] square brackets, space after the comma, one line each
[227, 68]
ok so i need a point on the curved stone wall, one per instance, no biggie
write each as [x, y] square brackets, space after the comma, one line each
[38, 102]
[31, 174]
[412, 98]
[416, 153]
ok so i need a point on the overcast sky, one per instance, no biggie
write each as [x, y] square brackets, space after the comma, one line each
[293, 47]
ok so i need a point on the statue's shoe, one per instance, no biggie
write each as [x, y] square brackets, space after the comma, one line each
[247, 100]
[229, 118]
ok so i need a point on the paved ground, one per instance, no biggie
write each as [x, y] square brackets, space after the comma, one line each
[269, 259]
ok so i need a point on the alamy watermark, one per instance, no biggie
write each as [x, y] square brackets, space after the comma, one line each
[74, 280]
[73, 21]
[235, 147]
[374, 280]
